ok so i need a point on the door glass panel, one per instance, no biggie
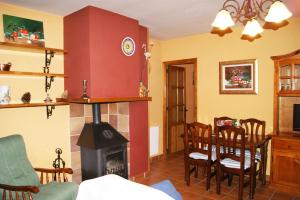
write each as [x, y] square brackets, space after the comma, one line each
[297, 70]
[180, 78]
[285, 84]
[174, 95]
[173, 80]
[181, 113]
[297, 84]
[180, 96]
[285, 70]
[174, 114]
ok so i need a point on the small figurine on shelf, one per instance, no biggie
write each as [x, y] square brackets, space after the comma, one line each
[4, 95]
[65, 94]
[143, 91]
[48, 99]
[26, 97]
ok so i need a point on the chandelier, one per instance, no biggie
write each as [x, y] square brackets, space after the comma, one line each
[273, 12]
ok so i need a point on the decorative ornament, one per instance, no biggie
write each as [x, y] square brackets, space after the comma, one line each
[143, 91]
[4, 94]
[84, 96]
[48, 99]
[128, 46]
[26, 97]
[65, 94]
[5, 67]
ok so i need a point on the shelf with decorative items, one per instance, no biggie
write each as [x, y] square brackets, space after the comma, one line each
[49, 77]
[288, 74]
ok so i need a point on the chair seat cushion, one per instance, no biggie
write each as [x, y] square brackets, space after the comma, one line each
[197, 155]
[167, 187]
[248, 154]
[227, 162]
[57, 191]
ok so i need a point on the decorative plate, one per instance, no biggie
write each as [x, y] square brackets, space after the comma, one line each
[128, 46]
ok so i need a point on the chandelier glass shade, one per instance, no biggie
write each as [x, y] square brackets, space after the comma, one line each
[273, 12]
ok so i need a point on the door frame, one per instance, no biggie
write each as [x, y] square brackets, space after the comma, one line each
[165, 65]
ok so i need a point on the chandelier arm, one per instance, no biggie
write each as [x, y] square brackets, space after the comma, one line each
[233, 7]
[264, 7]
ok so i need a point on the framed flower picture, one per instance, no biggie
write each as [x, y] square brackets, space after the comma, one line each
[238, 77]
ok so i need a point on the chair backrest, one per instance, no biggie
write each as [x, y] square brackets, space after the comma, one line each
[219, 121]
[231, 140]
[253, 126]
[15, 168]
[198, 138]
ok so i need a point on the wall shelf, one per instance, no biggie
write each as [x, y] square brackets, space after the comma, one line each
[106, 100]
[29, 47]
[49, 106]
[49, 77]
[22, 105]
[19, 73]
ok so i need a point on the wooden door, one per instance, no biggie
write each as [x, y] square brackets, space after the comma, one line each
[176, 107]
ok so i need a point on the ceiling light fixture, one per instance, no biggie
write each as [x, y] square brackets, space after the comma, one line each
[273, 12]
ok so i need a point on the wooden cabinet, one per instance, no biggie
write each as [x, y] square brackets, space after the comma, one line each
[286, 162]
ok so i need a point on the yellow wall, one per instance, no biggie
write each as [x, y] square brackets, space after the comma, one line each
[209, 49]
[155, 87]
[42, 136]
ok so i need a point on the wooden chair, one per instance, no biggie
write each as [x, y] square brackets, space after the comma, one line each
[255, 127]
[19, 181]
[230, 140]
[198, 150]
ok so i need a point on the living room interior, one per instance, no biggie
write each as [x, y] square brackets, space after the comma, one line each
[90, 60]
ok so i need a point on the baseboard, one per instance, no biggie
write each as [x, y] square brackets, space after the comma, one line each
[141, 175]
[157, 158]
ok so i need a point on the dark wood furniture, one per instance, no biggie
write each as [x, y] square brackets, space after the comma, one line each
[231, 141]
[257, 127]
[285, 163]
[223, 118]
[285, 160]
[198, 150]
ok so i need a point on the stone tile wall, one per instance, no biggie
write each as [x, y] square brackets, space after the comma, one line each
[117, 114]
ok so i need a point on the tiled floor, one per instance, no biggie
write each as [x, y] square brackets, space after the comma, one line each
[173, 169]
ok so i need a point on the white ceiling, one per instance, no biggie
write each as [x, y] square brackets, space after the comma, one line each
[165, 19]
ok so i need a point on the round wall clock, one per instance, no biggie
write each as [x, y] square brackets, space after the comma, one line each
[128, 46]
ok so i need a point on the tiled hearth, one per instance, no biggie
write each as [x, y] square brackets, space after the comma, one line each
[117, 114]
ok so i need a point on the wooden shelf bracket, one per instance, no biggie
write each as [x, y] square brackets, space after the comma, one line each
[49, 110]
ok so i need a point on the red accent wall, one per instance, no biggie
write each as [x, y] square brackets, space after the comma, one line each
[77, 60]
[139, 141]
[92, 37]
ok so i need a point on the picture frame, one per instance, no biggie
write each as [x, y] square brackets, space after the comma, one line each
[238, 77]
[20, 30]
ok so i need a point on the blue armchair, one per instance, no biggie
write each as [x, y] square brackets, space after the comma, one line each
[18, 179]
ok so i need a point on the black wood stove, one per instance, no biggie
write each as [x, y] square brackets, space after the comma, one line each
[103, 149]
